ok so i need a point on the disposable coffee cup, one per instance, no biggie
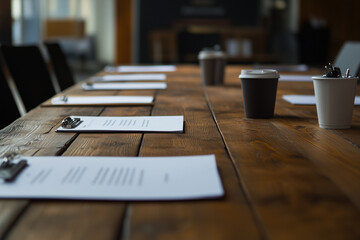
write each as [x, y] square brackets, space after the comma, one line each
[259, 89]
[334, 101]
[212, 64]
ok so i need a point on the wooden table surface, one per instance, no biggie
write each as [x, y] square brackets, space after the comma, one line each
[284, 178]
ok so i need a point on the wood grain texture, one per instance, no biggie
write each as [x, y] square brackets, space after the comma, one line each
[284, 178]
[98, 220]
[10, 210]
[33, 130]
[30, 135]
[69, 220]
[228, 218]
[35, 134]
[110, 144]
[302, 180]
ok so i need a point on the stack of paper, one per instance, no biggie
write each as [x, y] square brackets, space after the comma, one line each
[308, 99]
[116, 178]
[124, 86]
[131, 77]
[295, 78]
[284, 68]
[300, 99]
[153, 68]
[100, 100]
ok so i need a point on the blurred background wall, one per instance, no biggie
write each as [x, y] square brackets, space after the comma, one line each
[99, 32]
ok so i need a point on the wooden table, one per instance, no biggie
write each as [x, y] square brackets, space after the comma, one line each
[284, 178]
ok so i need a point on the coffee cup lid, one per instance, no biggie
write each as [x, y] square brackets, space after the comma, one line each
[333, 78]
[211, 54]
[259, 73]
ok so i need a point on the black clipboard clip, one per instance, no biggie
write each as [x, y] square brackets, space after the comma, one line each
[70, 123]
[64, 98]
[10, 170]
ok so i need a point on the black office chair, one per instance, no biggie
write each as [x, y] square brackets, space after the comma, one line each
[29, 71]
[8, 107]
[59, 63]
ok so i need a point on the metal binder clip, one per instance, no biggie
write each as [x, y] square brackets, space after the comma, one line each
[9, 170]
[70, 123]
[64, 98]
[332, 72]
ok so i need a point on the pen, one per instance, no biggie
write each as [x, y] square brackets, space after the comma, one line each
[348, 72]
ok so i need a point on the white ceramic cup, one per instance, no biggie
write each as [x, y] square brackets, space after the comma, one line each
[334, 101]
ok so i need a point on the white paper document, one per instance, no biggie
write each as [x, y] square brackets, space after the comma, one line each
[295, 78]
[131, 77]
[283, 68]
[151, 68]
[101, 100]
[127, 124]
[124, 86]
[116, 178]
[308, 99]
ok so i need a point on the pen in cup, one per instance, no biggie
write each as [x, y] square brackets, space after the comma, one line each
[348, 72]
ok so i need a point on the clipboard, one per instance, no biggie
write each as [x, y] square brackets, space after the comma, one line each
[74, 100]
[89, 86]
[140, 68]
[129, 77]
[111, 178]
[126, 124]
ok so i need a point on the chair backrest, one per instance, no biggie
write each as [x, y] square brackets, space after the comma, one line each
[349, 57]
[60, 66]
[8, 107]
[30, 74]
